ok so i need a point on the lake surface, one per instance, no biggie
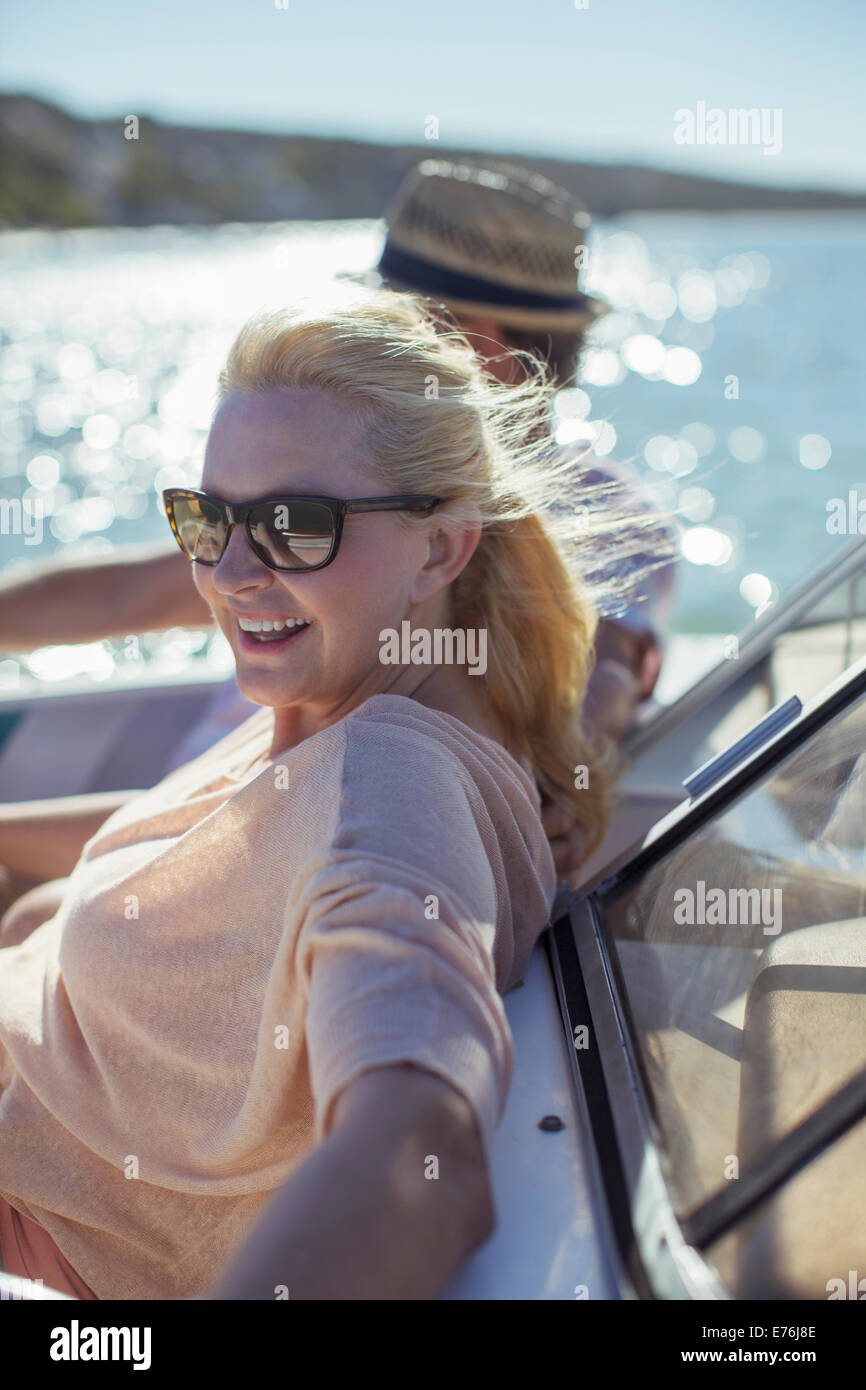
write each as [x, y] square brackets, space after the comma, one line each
[730, 373]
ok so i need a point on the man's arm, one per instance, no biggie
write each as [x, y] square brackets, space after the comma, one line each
[141, 590]
[358, 1219]
[44, 839]
[625, 671]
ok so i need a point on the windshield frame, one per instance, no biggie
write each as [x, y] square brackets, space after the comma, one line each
[662, 1251]
[754, 644]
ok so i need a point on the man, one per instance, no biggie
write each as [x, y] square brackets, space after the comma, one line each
[496, 246]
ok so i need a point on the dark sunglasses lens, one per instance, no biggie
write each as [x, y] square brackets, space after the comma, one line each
[293, 535]
[201, 528]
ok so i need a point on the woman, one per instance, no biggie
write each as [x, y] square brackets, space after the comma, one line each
[281, 967]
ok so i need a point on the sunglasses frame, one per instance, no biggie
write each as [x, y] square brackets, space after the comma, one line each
[237, 514]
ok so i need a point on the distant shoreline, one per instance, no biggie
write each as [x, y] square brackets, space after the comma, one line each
[60, 171]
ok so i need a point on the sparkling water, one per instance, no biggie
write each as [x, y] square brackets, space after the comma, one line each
[729, 372]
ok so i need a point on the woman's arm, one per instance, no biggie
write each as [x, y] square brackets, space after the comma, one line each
[139, 590]
[362, 1217]
[45, 838]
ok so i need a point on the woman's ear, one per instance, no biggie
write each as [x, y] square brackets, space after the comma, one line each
[449, 551]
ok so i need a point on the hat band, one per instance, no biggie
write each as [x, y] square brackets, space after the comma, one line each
[428, 278]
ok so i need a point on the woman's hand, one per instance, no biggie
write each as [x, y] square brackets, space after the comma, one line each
[363, 1217]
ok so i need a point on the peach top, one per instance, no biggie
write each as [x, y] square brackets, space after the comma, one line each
[235, 946]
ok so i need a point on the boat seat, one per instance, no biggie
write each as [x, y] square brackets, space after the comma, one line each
[804, 1037]
[108, 740]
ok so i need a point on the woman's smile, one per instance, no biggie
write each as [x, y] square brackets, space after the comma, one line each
[273, 635]
[266, 630]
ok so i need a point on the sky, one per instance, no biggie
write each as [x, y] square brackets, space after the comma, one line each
[601, 83]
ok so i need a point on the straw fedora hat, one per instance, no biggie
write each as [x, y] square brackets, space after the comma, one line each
[489, 239]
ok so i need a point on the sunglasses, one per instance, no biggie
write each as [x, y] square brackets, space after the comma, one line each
[291, 534]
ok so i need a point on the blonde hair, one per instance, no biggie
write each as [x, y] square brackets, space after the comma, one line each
[436, 424]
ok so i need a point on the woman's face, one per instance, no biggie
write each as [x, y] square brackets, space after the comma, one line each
[283, 441]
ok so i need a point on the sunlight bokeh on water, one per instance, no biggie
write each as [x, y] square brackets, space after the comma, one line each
[728, 373]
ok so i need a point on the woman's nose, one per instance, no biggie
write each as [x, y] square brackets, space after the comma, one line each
[239, 566]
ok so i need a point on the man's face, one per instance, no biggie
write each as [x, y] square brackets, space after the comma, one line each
[489, 341]
[560, 351]
[496, 343]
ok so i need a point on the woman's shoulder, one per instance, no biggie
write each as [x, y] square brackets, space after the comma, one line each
[399, 791]
[399, 721]
[412, 771]
[392, 769]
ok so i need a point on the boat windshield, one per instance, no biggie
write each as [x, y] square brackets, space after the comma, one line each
[741, 958]
[807, 646]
